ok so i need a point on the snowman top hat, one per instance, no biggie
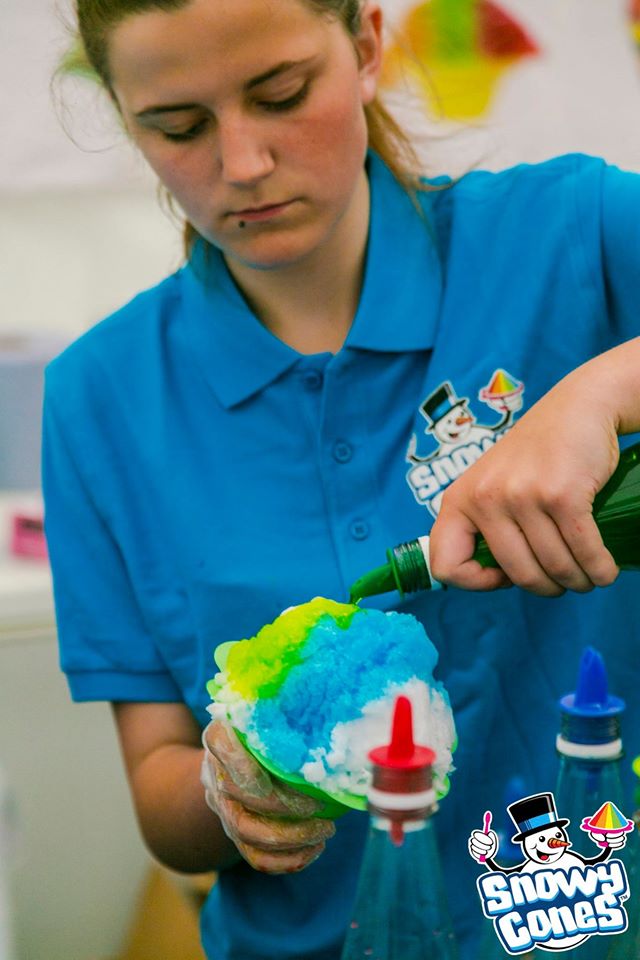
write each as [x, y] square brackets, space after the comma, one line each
[534, 813]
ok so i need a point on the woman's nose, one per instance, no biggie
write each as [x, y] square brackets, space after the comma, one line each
[245, 158]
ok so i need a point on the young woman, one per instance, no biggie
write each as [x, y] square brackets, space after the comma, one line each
[340, 345]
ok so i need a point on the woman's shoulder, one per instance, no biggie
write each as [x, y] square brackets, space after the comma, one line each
[124, 334]
[526, 193]
[480, 183]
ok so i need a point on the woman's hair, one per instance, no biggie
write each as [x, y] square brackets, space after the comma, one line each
[97, 18]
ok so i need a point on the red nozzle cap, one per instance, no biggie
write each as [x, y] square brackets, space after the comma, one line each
[402, 753]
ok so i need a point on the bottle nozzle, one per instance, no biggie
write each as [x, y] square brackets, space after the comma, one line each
[590, 717]
[593, 687]
[402, 753]
[592, 697]
[402, 746]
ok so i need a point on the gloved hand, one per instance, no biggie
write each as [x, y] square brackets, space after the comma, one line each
[270, 823]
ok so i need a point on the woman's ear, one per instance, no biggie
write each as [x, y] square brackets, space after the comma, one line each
[368, 45]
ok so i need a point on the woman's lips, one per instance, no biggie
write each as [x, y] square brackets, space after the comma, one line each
[257, 214]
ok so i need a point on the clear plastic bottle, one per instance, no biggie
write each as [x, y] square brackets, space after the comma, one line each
[616, 510]
[400, 911]
[590, 749]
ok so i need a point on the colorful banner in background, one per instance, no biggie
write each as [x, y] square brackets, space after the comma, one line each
[456, 53]
[634, 20]
[514, 80]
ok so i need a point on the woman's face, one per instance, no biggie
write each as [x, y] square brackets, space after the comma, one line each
[251, 114]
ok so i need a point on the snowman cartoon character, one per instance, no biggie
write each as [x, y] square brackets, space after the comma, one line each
[545, 845]
[452, 424]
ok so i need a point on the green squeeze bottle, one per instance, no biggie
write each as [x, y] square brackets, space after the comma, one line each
[616, 510]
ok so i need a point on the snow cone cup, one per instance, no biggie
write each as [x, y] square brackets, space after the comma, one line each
[314, 691]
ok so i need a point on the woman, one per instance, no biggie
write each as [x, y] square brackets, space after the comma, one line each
[236, 440]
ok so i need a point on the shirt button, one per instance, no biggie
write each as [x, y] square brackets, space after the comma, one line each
[342, 451]
[312, 380]
[359, 530]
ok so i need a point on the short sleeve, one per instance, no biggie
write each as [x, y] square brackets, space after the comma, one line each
[621, 249]
[106, 650]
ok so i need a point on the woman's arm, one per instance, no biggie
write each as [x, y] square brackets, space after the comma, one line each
[531, 495]
[162, 750]
[269, 824]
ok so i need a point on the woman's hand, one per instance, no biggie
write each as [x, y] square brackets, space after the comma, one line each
[531, 495]
[271, 824]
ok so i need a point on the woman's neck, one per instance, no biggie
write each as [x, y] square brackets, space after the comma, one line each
[311, 304]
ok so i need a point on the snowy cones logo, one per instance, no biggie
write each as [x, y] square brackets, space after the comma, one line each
[554, 897]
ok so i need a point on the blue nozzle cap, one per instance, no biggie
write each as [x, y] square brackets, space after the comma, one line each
[592, 698]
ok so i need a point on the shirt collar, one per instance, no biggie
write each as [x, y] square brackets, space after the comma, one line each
[237, 354]
[400, 299]
[397, 312]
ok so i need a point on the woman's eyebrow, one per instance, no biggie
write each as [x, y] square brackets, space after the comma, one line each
[276, 71]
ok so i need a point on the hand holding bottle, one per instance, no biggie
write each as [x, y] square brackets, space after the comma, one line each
[531, 495]
[271, 824]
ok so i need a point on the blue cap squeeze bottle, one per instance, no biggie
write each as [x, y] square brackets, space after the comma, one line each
[589, 745]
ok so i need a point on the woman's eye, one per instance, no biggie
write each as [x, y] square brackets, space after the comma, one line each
[184, 135]
[289, 103]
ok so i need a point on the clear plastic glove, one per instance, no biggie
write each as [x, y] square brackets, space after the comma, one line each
[271, 824]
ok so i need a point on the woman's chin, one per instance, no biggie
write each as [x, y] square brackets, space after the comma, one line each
[262, 247]
[269, 253]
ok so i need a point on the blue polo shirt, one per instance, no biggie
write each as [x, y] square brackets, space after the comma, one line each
[200, 476]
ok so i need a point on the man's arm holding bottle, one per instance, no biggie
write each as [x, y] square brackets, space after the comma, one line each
[531, 495]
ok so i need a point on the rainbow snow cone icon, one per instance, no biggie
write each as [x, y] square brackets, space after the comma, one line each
[607, 820]
[313, 692]
[503, 392]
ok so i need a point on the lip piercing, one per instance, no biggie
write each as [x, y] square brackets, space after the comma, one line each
[242, 224]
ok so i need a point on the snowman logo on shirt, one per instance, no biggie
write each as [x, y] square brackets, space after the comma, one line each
[556, 898]
[460, 439]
